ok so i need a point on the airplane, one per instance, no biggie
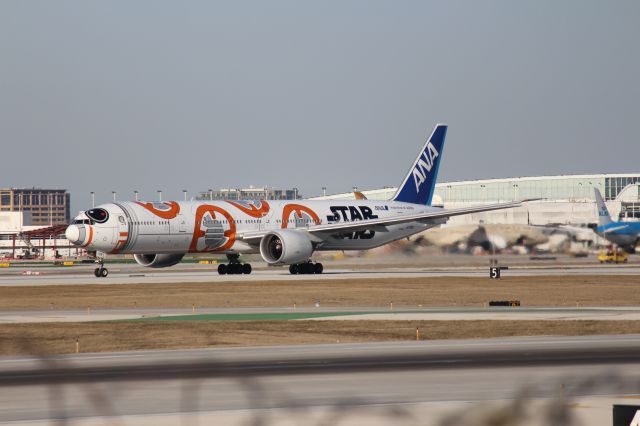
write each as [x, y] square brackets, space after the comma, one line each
[283, 232]
[624, 234]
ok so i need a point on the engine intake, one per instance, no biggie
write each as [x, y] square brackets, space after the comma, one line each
[158, 260]
[285, 247]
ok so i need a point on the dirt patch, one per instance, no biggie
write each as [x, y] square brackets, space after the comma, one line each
[34, 339]
[404, 292]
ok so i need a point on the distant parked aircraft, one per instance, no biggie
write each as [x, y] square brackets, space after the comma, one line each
[624, 234]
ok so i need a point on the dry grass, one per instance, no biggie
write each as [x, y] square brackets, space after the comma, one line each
[32, 339]
[409, 292]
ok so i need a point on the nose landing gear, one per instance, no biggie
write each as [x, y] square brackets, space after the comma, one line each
[101, 271]
[234, 267]
[306, 268]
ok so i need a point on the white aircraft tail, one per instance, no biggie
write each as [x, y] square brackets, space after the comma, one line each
[604, 217]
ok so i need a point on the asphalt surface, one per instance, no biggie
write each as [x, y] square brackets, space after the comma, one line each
[130, 274]
[323, 313]
[295, 377]
[278, 384]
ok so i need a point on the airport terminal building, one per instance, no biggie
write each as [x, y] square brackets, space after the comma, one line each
[566, 199]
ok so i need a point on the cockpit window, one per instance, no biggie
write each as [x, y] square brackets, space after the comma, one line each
[98, 215]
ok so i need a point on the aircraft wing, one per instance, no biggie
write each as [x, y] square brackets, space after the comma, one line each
[357, 225]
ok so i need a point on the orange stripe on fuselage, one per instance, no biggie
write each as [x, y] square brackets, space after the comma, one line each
[252, 210]
[199, 233]
[297, 209]
[119, 246]
[90, 237]
[174, 209]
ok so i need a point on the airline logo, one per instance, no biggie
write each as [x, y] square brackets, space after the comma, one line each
[424, 165]
[603, 211]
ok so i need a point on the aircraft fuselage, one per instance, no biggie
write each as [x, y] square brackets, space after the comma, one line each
[212, 226]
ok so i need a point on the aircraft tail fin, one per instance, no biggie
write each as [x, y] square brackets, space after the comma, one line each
[603, 213]
[419, 184]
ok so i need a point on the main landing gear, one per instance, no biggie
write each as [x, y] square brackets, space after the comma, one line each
[101, 271]
[306, 268]
[234, 267]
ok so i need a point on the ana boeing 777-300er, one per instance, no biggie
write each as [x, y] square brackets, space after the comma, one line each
[284, 232]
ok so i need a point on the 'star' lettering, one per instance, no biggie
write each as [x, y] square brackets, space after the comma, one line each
[365, 234]
[350, 213]
[424, 165]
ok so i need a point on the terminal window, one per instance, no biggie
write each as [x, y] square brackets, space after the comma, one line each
[613, 186]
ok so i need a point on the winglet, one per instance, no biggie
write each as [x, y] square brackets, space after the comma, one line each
[359, 195]
[419, 184]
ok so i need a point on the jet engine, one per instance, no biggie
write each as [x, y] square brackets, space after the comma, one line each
[285, 247]
[158, 260]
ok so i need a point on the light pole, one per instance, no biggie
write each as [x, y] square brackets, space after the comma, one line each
[160, 195]
[93, 199]
[210, 194]
[324, 191]
[184, 191]
[114, 196]
[295, 193]
[20, 210]
[135, 195]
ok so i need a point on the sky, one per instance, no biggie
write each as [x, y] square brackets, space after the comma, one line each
[120, 96]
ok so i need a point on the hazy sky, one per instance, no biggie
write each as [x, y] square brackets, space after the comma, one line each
[147, 95]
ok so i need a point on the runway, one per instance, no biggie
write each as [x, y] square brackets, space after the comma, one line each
[242, 382]
[325, 314]
[127, 274]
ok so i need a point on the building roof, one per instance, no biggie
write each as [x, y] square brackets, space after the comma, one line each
[32, 189]
[387, 190]
[50, 231]
[533, 178]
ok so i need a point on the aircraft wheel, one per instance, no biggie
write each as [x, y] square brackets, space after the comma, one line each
[96, 272]
[318, 268]
[294, 269]
[222, 269]
[104, 272]
[246, 268]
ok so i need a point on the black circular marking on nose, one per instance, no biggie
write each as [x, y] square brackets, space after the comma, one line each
[98, 215]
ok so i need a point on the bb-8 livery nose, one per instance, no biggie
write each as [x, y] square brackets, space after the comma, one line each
[76, 234]
[95, 229]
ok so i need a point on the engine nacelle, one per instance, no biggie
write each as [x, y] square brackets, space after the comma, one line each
[285, 247]
[158, 260]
